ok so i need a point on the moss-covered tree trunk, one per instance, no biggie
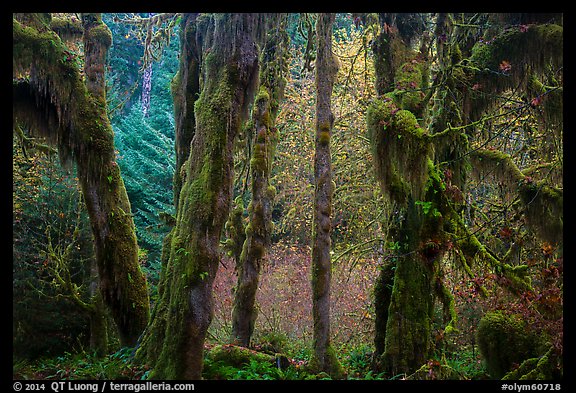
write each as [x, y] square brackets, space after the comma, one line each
[406, 288]
[185, 91]
[174, 342]
[98, 315]
[54, 99]
[324, 358]
[422, 161]
[272, 82]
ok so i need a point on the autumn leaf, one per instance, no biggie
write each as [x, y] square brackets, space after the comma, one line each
[505, 66]
[505, 232]
[536, 101]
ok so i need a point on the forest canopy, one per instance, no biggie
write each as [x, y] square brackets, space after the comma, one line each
[288, 196]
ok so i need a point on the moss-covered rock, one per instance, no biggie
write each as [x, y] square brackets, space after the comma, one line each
[505, 340]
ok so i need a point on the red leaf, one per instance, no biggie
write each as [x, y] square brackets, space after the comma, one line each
[505, 66]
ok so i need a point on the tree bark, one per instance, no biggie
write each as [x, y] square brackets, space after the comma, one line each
[174, 342]
[258, 230]
[185, 91]
[324, 359]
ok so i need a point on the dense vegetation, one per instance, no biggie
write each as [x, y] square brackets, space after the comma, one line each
[288, 196]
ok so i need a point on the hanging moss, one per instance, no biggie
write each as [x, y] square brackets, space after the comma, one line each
[66, 27]
[543, 205]
[544, 210]
[508, 61]
[518, 45]
[401, 148]
[174, 343]
[550, 99]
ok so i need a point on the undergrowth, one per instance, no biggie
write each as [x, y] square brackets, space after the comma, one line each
[120, 366]
[81, 365]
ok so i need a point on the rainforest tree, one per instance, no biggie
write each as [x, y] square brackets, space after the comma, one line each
[326, 68]
[174, 342]
[420, 134]
[460, 115]
[273, 69]
[61, 96]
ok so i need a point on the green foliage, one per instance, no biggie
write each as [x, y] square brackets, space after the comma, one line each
[145, 144]
[45, 197]
[253, 370]
[82, 366]
[427, 208]
[46, 213]
[467, 364]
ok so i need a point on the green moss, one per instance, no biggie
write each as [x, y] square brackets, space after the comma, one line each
[409, 86]
[237, 356]
[271, 192]
[505, 340]
[324, 138]
[506, 60]
[543, 204]
[409, 328]
[544, 207]
[545, 367]
[401, 149]
[518, 46]
[101, 34]
[84, 135]
[67, 27]
[332, 369]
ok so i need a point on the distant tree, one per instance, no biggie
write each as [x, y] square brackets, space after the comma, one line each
[144, 142]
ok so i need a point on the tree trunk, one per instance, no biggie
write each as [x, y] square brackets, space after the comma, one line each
[56, 102]
[185, 91]
[324, 358]
[98, 317]
[258, 230]
[402, 152]
[410, 313]
[382, 296]
[174, 341]
[272, 83]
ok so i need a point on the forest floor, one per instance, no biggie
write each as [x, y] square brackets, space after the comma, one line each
[284, 326]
